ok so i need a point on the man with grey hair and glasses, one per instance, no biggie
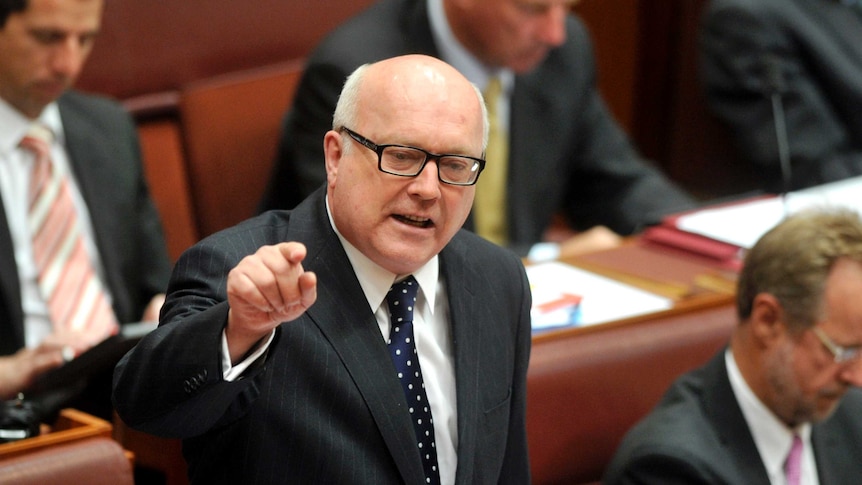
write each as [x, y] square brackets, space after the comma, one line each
[781, 404]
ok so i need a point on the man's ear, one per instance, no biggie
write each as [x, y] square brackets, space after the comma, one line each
[333, 150]
[767, 319]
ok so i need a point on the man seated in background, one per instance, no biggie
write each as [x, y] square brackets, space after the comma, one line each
[560, 150]
[781, 404]
[808, 53]
[363, 337]
[81, 244]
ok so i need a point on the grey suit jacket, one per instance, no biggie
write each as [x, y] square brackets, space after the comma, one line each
[698, 435]
[567, 154]
[815, 47]
[103, 149]
[324, 405]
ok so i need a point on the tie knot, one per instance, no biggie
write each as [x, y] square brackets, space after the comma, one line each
[38, 139]
[402, 298]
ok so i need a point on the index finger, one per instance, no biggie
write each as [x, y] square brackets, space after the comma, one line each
[292, 251]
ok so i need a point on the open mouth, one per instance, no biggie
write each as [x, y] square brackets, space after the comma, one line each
[414, 221]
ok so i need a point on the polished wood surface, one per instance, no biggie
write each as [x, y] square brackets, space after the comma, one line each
[71, 425]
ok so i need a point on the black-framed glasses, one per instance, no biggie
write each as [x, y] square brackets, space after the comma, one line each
[839, 353]
[406, 161]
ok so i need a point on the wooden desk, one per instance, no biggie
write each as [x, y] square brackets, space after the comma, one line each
[588, 385]
[71, 425]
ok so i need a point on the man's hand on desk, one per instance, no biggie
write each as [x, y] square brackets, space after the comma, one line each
[151, 313]
[19, 370]
[565, 243]
[594, 239]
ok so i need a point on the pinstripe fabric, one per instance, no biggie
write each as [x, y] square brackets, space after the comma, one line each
[67, 280]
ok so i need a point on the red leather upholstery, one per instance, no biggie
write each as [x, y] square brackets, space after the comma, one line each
[95, 461]
[585, 390]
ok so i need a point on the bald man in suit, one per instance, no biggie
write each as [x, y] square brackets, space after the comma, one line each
[271, 360]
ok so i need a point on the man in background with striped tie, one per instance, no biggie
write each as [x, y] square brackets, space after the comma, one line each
[781, 405]
[81, 244]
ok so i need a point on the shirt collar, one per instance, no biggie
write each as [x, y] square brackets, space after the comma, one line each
[458, 56]
[771, 436]
[14, 125]
[376, 281]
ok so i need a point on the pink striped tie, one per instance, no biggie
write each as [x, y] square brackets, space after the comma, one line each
[793, 465]
[76, 299]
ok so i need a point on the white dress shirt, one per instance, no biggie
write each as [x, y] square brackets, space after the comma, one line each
[771, 436]
[16, 166]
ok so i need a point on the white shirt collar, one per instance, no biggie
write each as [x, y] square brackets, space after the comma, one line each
[771, 436]
[376, 281]
[14, 125]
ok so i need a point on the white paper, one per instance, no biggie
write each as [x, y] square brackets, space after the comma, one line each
[743, 224]
[602, 299]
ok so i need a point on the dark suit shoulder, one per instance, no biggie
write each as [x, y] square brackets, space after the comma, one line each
[245, 237]
[99, 109]
[386, 29]
[674, 443]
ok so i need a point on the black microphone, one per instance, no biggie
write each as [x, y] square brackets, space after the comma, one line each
[776, 88]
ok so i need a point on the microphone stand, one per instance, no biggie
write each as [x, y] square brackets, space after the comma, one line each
[775, 84]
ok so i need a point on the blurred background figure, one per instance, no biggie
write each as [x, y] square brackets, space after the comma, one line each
[781, 404]
[81, 244]
[805, 55]
[557, 150]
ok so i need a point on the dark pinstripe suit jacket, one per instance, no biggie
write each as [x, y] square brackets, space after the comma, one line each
[103, 151]
[325, 406]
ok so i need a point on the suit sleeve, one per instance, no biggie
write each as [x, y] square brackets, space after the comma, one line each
[736, 41]
[171, 383]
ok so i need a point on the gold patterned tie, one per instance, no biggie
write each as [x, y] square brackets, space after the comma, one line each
[490, 204]
[67, 280]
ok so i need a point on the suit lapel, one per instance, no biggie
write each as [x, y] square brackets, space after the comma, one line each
[91, 161]
[727, 419]
[12, 329]
[836, 442]
[530, 103]
[342, 315]
[460, 291]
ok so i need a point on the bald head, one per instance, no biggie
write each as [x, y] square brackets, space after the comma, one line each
[415, 83]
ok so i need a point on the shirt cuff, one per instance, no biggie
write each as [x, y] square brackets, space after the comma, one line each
[233, 372]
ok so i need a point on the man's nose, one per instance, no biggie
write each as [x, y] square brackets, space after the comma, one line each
[427, 183]
[553, 27]
[852, 373]
[68, 57]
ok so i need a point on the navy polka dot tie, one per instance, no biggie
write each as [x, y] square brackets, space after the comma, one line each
[401, 300]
